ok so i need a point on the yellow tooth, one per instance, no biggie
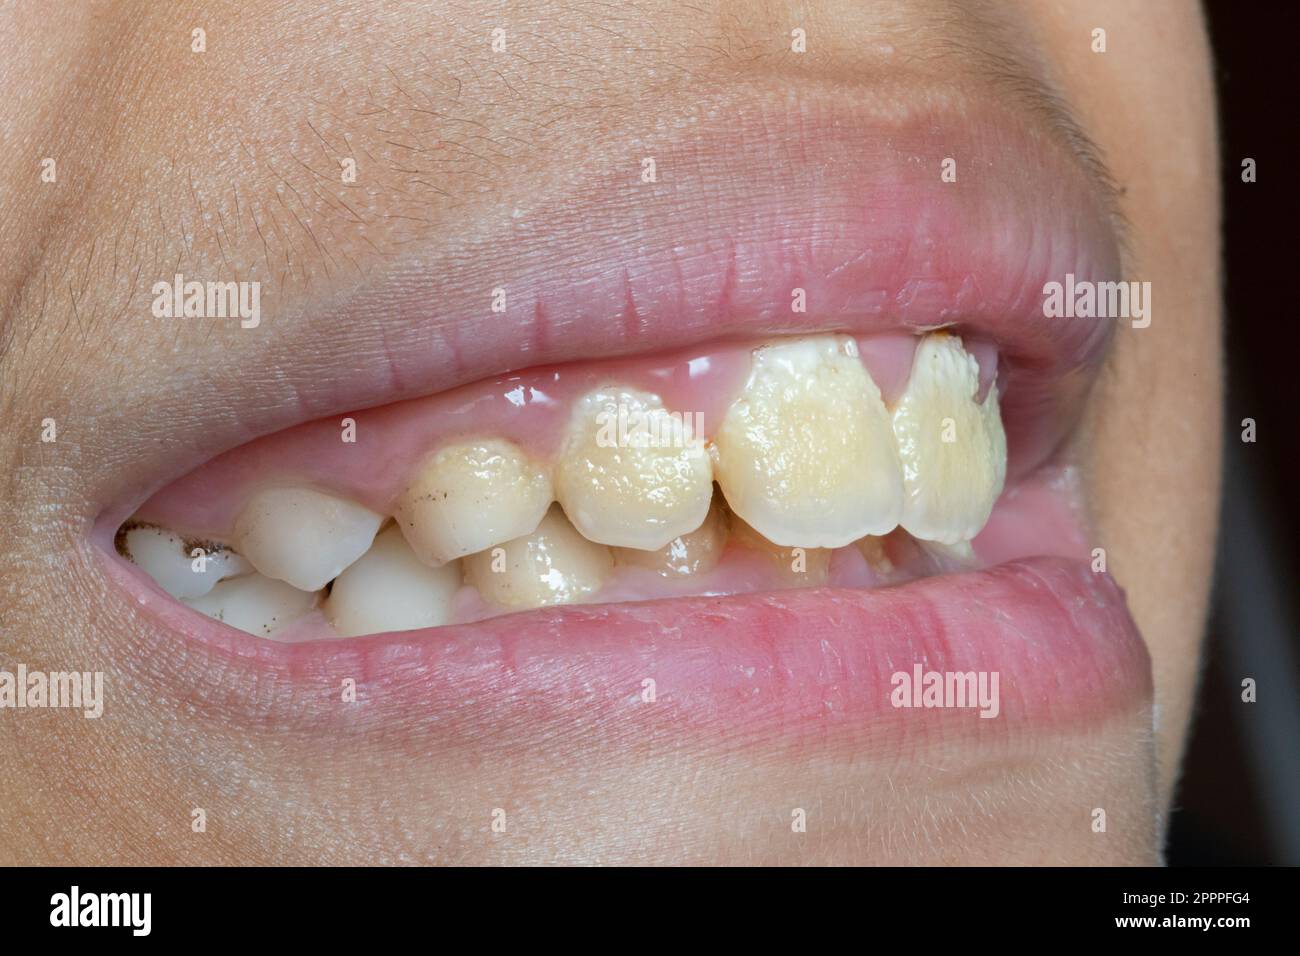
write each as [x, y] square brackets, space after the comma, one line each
[631, 473]
[471, 496]
[553, 565]
[796, 566]
[303, 536]
[806, 454]
[254, 603]
[692, 553]
[953, 450]
[390, 589]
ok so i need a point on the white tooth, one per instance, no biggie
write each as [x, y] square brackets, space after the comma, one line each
[390, 589]
[805, 453]
[795, 567]
[166, 558]
[470, 496]
[631, 473]
[692, 553]
[303, 536]
[953, 450]
[553, 565]
[256, 604]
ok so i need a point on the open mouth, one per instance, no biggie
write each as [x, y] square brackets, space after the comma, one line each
[762, 510]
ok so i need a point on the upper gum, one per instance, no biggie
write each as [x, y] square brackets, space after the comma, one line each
[530, 408]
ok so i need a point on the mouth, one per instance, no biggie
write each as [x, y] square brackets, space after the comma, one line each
[751, 464]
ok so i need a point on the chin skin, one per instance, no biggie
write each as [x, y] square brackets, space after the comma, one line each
[589, 787]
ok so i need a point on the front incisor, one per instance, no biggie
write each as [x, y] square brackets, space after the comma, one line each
[631, 473]
[553, 565]
[806, 454]
[953, 449]
[471, 496]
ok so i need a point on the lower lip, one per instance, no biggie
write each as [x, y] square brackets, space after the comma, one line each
[761, 668]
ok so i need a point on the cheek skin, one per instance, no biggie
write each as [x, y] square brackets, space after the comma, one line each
[1153, 432]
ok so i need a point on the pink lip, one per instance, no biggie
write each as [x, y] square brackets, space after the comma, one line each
[752, 668]
[846, 206]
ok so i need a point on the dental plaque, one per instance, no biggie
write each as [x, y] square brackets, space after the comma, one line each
[826, 460]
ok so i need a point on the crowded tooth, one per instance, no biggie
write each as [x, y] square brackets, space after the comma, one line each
[256, 604]
[389, 589]
[795, 567]
[806, 454]
[631, 473]
[471, 496]
[953, 449]
[692, 553]
[553, 565]
[303, 536]
[167, 558]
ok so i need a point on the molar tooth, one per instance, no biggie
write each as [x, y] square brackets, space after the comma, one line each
[631, 473]
[166, 557]
[471, 496]
[953, 450]
[806, 454]
[303, 536]
[389, 589]
[553, 565]
[695, 552]
[254, 603]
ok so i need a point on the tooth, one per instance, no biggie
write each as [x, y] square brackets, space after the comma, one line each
[805, 453]
[873, 549]
[389, 589]
[256, 604]
[953, 450]
[692, 553]
[631, 473]
[303, 536]
[553, 565]
[165, 557]
[796, 566]
[471, 496]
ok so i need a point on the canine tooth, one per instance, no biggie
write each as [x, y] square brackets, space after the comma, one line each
[796, 566]
[692, 553]
[303, 536]
[553, 565]
[806, 454]
[632, 474]
[389, 589]
[471, 496]
[165, 557]
[256, 604]
[953, 450]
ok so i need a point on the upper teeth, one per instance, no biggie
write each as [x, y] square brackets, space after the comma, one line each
[953, 449]
[807, 455]
[631, 474]
[303, 536]
[471, 496]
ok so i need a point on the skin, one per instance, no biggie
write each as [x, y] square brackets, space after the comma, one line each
[150, 138]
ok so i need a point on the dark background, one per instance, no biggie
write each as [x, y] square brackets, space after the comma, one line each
[1239, 802]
